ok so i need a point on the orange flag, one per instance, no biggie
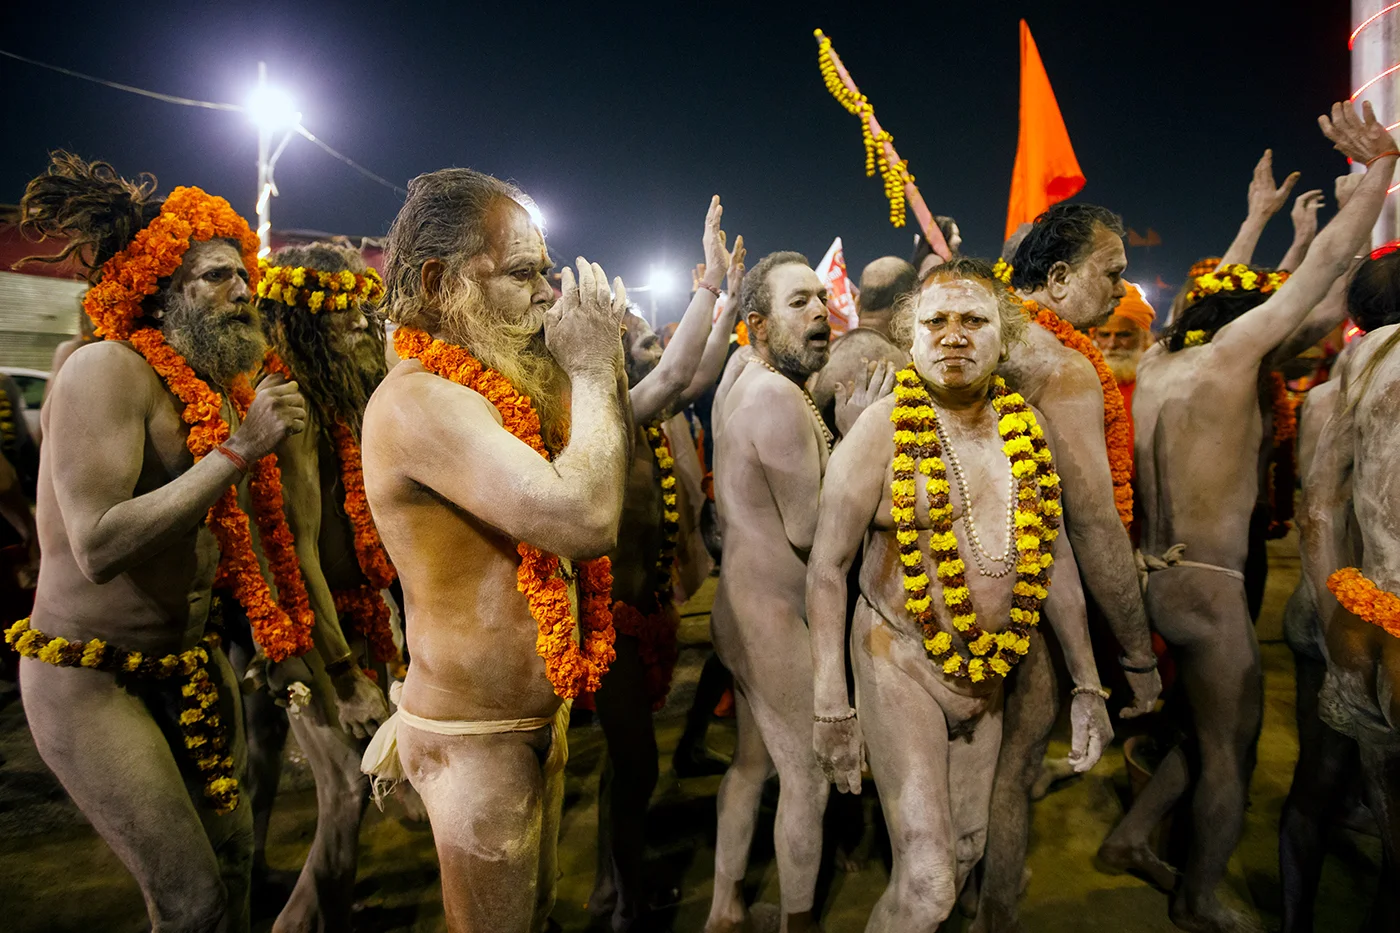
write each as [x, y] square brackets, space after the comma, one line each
[1046, 170]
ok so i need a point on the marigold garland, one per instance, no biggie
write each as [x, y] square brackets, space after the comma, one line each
[1001, 271]
[1037, 519]
[1235, 277]
[314, 289]
[571, 668]
[1362, 598]
[206, 737]
[1116, 425]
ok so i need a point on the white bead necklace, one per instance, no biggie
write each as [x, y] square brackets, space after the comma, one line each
[816, 412]
[1007, 560]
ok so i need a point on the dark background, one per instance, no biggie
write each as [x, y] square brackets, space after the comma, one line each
[621, 120]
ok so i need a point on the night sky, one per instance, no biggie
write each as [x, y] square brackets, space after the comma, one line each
[621, 121]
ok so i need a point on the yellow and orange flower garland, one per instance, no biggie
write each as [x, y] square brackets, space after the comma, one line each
[1037, 519]
[570, 668]
[204, 734]
[656, 633]
[1362, 598]
[313, 289]
[1235, 277]
[1117, 434]
[363, 606]
[115, 306]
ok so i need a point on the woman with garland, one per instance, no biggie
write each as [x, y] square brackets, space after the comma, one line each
[150, 436]
[1199, 434]
[644, 568]
[918, 471]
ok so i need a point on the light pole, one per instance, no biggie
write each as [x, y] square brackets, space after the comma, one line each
[662, 282]
[271, 110]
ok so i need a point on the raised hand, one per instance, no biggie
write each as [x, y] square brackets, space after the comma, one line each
[736, 269]
[1345, 186]
[1090, 731]
[852, 400]
[716, 255]
[840, 751]
[697, 275]
[1360, 138]
[583, 330]
[278, 411]
[1265, 198]
[1305, 214]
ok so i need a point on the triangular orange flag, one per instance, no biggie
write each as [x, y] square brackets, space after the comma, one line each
[1046, 170]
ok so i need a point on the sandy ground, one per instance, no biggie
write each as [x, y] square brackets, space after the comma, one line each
[57, 875]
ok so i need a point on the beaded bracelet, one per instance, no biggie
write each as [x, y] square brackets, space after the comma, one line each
[849, 714]
[1101, 692]
[713, 290]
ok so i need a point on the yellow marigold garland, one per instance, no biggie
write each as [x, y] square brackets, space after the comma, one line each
[1002, 272]
[1362, 598]
[1037, 519]
[1116, 424]
[206, 737]
[313, 289]
[1235, 277]
[570, 668]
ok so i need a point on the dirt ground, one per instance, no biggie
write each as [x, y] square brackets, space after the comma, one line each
[57, 875]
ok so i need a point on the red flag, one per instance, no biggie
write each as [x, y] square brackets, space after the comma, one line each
[840, 303]
[1046, 170]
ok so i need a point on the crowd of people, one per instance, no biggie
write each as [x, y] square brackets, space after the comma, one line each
[417, 518]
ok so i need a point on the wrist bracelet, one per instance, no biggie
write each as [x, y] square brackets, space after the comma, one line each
[1383, 155]
[849, 714]
[1133, 669]
[712, 289]
[1101, 692]
[233, 458]
[343, 666]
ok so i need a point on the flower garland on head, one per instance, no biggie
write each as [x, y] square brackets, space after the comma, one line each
[1036, 517]
[313, 289]
[1116, 424]
[570, 668]
[1362, 598]
[115, 305]
[363, 605]
[205, 736]
[1232, 278]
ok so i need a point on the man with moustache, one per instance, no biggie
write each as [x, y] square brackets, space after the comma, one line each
[1068, 273]
[1124, 338]
[139, 721]
[772, 447]
[495, 456]
[645, 565]
[317, 306]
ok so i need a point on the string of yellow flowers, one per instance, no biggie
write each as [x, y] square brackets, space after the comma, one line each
[1236, 277]
[205, 735]
[1036, 516]
[315, 289]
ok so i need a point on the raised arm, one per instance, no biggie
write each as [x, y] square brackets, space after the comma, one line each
[454, 444]
[852, 494]
[101, 402]
[660, 389]
[717, 344]
[1321, 320]
[1304, 228]
[1265, 200]
[1245, 341]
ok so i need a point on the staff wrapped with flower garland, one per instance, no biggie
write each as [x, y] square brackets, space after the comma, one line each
[952, 479]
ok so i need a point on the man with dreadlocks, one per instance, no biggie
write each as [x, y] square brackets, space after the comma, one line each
[141, 497]
[1199, 431]
[317, 307]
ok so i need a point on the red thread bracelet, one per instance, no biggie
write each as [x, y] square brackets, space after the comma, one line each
[1383, 155]
[710, 288]
[233, 458]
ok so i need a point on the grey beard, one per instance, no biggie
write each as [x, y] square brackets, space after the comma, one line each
[218, 349]
[1123, 367]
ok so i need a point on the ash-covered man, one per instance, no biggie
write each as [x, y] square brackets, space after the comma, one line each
[929, 660]
[771, 454]
[131, 703]
[495, 455]
[1199, 435]
[316, 302]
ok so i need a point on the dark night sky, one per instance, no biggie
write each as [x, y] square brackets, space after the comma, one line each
[621, 121]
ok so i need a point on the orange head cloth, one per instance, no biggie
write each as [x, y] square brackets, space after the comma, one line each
[1046, 170]
[1135, 308]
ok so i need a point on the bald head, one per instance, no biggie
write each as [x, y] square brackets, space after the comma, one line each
[882, 283]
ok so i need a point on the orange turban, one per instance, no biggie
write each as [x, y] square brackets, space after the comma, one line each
[1135, 308]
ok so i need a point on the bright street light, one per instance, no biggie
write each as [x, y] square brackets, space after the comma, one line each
[272, 111]
[271, 108]
[662, 281]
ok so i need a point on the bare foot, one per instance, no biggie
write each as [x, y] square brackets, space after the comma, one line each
[731, 918]
[1141, 861]
[1052, 772]
[1212, 918]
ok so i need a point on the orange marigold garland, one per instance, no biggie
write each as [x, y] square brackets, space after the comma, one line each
[115, 305]
[1283, 462]
[1362, 598]
[1115, 416]
[571, 668]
